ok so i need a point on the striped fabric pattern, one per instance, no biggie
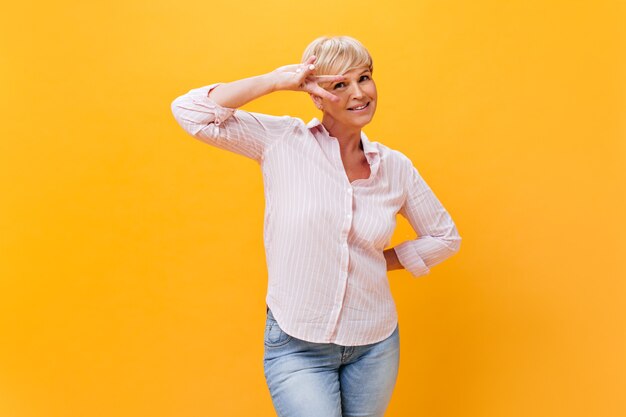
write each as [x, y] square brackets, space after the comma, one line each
[324, 236]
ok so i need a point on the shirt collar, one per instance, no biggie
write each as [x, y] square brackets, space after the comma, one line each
[369, 148]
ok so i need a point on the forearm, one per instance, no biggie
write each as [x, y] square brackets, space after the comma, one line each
[296, 77]
[237, 93]
[392, 259]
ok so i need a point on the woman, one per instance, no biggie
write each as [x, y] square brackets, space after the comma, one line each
[332, 195]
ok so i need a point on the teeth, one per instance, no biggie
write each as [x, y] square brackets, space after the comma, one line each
[360, 108]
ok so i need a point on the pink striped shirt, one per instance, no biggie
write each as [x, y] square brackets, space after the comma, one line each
[324, 236]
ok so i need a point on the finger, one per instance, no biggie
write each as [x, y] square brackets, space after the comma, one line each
[305, 83]
[307, 66]
[325, 94]
[329, 78]
[325, 81]
[305, 70]
[306, 76]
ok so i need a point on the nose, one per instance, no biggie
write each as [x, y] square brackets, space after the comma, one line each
[357, 92]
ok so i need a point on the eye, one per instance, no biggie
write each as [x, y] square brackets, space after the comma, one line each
[365, 76]
[338, 85]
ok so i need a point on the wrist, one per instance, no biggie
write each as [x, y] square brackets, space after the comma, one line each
[270, 82]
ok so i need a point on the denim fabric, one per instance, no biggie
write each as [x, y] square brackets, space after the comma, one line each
[308, 379]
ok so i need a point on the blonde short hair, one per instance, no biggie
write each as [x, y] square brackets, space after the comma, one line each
[337, 55]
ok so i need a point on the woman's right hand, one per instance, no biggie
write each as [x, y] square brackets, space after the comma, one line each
[301, 77]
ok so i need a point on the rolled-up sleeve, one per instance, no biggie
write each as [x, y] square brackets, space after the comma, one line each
[438, 238]
[245, 133]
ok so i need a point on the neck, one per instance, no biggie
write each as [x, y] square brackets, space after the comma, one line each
[349, 137]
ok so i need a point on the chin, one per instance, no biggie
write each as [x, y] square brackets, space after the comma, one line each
[364, 121]
[362, 124]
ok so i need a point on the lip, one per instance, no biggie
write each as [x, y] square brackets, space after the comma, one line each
[361, 110]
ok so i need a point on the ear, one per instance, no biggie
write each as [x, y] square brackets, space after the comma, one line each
[317, 100]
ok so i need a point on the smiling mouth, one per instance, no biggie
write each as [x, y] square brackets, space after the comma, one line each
[360, 108]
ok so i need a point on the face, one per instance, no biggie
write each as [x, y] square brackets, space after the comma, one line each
[356, 91]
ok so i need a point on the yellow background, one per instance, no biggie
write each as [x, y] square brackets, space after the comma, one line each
[132, 266]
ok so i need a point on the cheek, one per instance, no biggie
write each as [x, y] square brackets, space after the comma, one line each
[336, 105]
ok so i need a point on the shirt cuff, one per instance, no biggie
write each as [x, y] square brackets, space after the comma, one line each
[410, 259]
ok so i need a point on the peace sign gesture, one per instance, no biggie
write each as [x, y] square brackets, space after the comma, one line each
[301, 77]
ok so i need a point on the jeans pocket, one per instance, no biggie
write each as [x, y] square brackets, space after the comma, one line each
[274, 335]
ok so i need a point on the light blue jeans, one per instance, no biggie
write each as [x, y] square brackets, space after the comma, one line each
[308, 379]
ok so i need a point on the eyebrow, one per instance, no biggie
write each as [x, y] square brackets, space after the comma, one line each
[363, 72]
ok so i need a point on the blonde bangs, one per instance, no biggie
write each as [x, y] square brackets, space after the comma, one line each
[337, 55]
